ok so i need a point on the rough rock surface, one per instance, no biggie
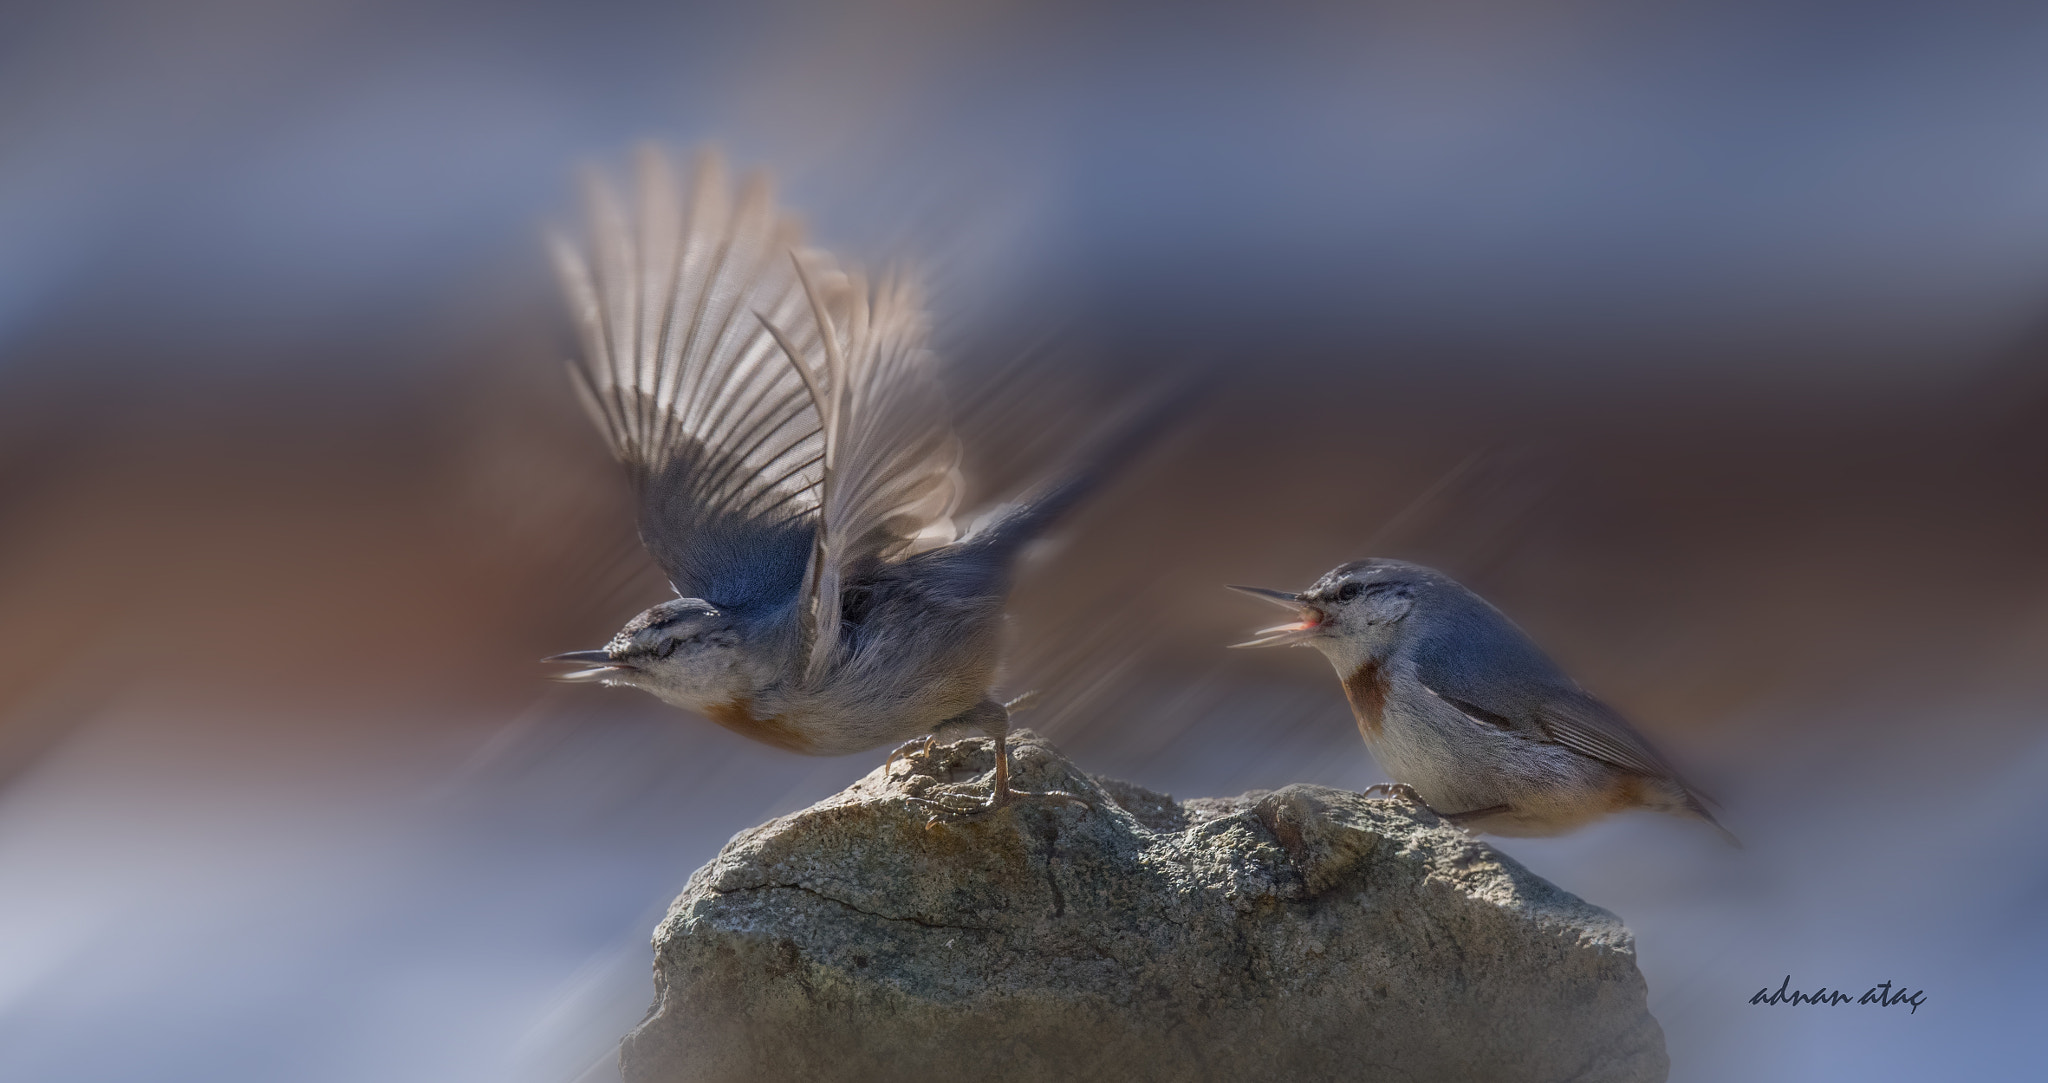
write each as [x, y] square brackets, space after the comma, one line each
[1299, 934]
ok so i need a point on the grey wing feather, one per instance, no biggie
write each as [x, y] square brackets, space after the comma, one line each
[1589, 727]
[1008, 527]
[891, 478]
[1486, 668]
[1579, 721]
[720, 438]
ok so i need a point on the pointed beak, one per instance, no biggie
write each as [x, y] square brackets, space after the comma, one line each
[1299, 633]
[581, 658]
[600, 663]
[1277, 597]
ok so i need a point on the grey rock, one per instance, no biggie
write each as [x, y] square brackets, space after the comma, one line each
[1300, 934]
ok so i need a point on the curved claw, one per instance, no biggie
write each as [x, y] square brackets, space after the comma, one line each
[1393, 789]
[922, 744]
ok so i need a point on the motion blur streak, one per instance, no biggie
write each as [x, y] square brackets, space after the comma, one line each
[1705, 340]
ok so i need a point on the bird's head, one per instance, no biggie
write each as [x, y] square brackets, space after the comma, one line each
[1353, 613]
[687, 652]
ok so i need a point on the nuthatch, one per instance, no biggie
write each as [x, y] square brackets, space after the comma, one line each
[797, 478]
[1465, 713]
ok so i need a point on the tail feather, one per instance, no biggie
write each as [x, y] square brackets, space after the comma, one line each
[1697, 807]
[1020, 522]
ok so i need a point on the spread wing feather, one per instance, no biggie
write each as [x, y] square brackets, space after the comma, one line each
[891, 463]
[720, 438]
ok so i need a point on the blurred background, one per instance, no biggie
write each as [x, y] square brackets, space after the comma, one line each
[1706, 340]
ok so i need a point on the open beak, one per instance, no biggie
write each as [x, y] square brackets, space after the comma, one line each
[599, 662]
[1277, 597]
[1284, 635]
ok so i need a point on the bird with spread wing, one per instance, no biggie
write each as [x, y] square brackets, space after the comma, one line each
[797, 478]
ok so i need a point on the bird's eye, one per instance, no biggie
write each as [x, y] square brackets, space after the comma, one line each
[668, 647]
[1348, 591]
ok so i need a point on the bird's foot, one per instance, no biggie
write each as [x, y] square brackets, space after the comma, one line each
[919, 747]
[1394, 789]
[1468, 816]
[961, 808]
[1460, 819]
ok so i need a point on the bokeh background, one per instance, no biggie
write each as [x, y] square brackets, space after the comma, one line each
[1707, 340]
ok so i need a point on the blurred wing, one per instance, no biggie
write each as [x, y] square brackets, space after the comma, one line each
[720, 438]
[892, 478]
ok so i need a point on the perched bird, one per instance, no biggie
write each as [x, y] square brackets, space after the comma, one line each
[797, 477]
[1465, 713]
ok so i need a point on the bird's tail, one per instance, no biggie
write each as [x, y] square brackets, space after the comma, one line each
[1697, 806]
[1014, 525]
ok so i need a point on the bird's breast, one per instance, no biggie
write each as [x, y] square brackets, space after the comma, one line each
[738, 716]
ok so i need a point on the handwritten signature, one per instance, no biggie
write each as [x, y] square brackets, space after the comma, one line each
[1881, 995]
